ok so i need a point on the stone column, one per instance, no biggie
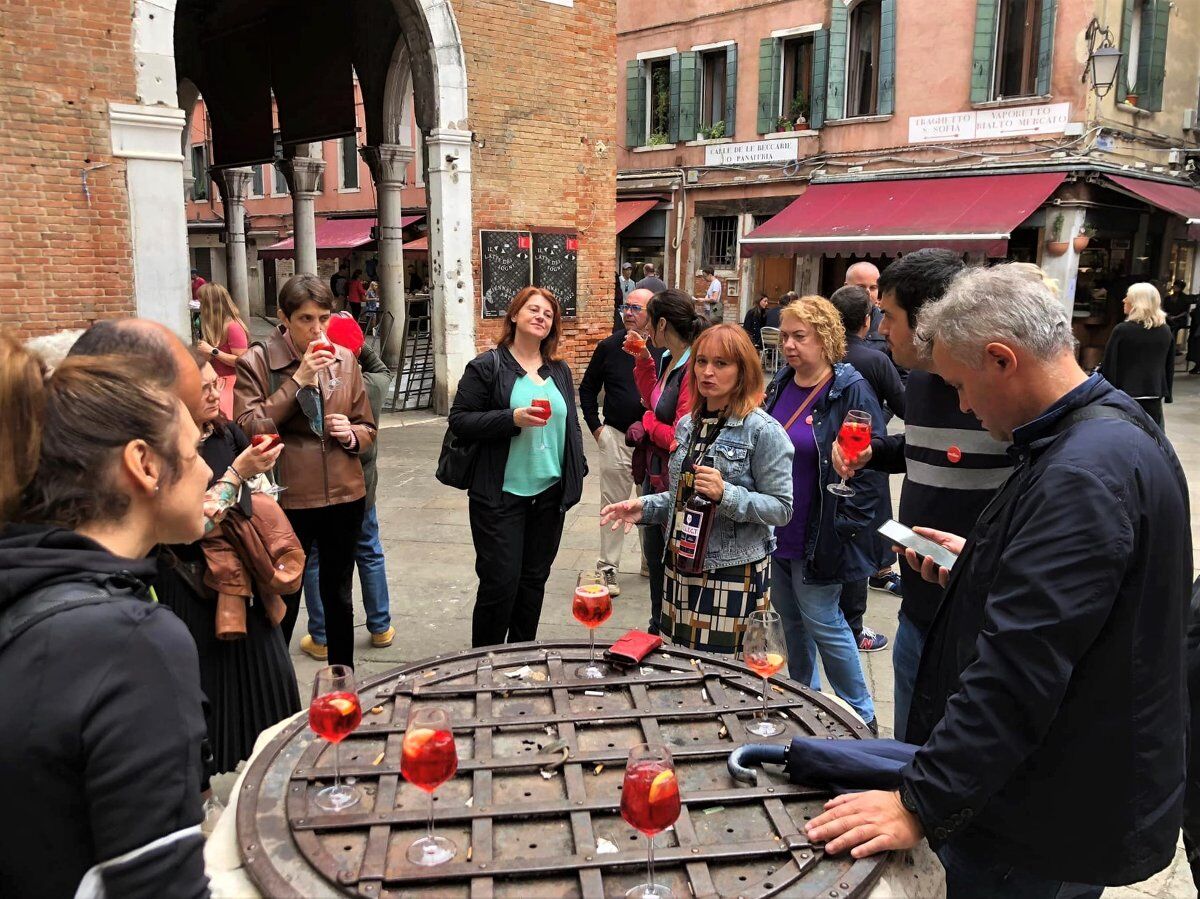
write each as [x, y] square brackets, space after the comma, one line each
[234, 185]
[303, 176]
[389, 167]
[1065, 268]
[450, 271]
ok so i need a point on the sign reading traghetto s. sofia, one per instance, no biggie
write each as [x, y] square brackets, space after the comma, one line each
[989, 124]
[753, 153]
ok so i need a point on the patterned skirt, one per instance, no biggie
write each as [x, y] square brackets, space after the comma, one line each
[708, 611]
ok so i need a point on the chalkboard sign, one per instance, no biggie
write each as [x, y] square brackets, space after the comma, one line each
[555, 264]
[506, 259]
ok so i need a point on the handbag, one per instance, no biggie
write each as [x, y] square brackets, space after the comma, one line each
[456, 462]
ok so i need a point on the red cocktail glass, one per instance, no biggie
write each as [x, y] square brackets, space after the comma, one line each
[333, 715]
[323, 343]
[263, 431]
[650, 804]
[853, 438]
[592, 606]
[428, 759]
[541, 408]
[765, 653]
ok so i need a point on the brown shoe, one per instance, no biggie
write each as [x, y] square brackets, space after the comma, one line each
[313, 649]
[384, 639]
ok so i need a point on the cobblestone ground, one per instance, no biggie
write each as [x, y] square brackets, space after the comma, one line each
[431, 574]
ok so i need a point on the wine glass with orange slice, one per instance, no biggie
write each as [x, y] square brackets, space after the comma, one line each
[333, 715]
[650, 804]
[591, 606]
[429, 758]
[765, 653]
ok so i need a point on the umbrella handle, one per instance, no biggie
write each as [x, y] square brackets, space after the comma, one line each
[743, 757]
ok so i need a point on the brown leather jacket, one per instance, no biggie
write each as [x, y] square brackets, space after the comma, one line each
[317, 471]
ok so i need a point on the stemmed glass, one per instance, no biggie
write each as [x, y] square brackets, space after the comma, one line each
[333, 382]
[853, 437]
[262, 431]
[541, 407]
[428, 759]
[765, 653]
[650, 804]
[592, 606]
[333, 715]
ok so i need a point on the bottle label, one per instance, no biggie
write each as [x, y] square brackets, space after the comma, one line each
[687, 534]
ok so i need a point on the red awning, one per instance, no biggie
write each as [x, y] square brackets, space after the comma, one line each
[976, 213]
[420, 245]
[629, 211]
[1179, 199]
[335, 237]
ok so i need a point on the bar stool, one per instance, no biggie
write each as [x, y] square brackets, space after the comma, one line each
[770, 351]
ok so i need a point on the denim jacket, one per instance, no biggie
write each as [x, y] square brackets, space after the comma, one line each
[754, 456]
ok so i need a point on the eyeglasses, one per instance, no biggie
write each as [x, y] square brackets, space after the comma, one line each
[630, 307]
[214, 387]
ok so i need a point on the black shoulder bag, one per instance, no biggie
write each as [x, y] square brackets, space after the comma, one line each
[456, 463]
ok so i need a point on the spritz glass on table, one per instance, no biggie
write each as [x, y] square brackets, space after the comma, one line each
[650, 804]
[428, 759]
[765, 653]
[541, 408]
[853, 437]
[263, 432]
[333, 715]
[591, 606]
[322, 342]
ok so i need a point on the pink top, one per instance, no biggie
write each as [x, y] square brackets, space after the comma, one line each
[236, 338]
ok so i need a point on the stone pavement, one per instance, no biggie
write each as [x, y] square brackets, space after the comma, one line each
[430, 563]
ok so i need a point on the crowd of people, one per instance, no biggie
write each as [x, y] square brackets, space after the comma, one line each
[156, 547]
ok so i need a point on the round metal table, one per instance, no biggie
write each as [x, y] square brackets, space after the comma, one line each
[534, 805]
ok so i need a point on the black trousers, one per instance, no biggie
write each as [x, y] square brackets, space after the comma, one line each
[336, 529]
[1154, 408]
[853, 602]
[654, 547]
[516, 540]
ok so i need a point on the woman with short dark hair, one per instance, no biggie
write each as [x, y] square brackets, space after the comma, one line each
[288, 379]
[530, 467]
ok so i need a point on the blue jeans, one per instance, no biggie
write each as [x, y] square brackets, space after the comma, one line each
[812, 620]
[906, 657]
[971, 875]
[372, 577]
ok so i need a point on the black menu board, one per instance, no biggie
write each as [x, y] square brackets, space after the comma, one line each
[506, 266]
[555, 265]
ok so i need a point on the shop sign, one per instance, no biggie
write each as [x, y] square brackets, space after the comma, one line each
[990, 124]
[757, 152]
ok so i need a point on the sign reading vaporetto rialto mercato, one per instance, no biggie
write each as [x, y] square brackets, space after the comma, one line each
[989, 124]
[753, 153]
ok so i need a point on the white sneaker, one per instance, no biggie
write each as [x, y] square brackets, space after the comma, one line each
[610, 579]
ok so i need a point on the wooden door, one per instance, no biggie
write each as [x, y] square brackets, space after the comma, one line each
[774, 276]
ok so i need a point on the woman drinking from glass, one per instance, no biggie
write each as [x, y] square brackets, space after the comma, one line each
[828, 542]
[289, 380]
[737, 457]
[517, 401]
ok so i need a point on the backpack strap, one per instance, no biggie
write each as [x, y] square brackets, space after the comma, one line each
[55, 599]
[272, 376]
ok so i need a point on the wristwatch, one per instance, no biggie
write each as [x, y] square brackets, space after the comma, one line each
[215, 351]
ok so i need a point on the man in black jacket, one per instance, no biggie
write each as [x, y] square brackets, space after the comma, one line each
[611, 371]
[1050, 704]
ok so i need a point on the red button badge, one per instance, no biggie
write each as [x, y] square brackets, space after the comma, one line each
[954, 454]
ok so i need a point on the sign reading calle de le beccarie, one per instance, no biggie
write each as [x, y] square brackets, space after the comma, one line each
[752, 153]
[990, 124]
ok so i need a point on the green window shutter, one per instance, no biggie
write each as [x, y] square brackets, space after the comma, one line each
[1123, 85]
[1153, 54]
[1046, 46]
[635, 105]
[673, 112]
[887, 57]
[730, 90]
[986, 12]
[835, 80]
[689, 94]
[820, 61]
[768, 84]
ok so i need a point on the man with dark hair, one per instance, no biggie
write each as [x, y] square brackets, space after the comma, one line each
[650, 280]
[714, 305]
[952, 466]
[339, 283]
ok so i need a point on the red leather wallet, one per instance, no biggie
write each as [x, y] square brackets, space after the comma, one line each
[632, 648]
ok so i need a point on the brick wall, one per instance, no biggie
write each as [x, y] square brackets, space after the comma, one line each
[542, 93]
[64, 260]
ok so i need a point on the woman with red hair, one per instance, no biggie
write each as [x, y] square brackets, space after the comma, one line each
[738, 457]
[529, 469]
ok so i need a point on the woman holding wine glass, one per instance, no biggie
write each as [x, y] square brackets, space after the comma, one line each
[828, 542]
[521, 491]
[735, 460]
[287, 379]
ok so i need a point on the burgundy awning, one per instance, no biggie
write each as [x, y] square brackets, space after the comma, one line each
[1180, 199]
[629, 211]
[335, 238]
[975, 213]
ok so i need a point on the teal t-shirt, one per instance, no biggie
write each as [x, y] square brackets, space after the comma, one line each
[531, 469]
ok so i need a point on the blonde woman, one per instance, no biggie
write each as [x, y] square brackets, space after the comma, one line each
[223, 336]
[1140, 356]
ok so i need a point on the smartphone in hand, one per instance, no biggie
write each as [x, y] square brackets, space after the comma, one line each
[922, 546]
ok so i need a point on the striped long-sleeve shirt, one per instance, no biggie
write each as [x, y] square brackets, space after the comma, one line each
[952, 468]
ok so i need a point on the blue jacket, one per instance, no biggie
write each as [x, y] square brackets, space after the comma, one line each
[1050, 701]
[754, 456]
[840, 548]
